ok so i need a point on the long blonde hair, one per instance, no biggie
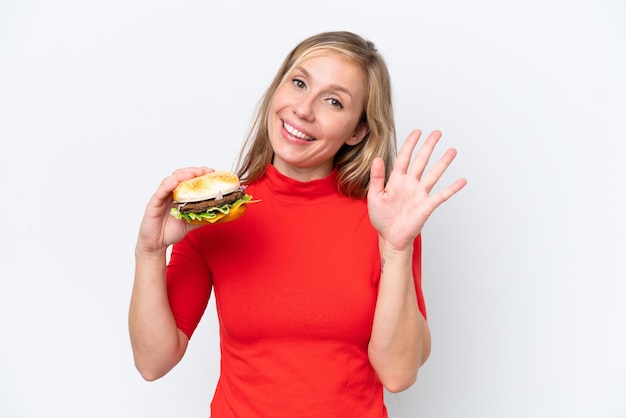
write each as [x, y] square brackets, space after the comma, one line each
[352, 162]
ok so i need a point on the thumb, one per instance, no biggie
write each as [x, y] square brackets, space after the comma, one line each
[377, 176]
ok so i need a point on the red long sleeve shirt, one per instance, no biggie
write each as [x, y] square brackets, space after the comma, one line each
[295, 282]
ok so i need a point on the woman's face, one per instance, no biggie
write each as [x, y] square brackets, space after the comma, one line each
[314, 112]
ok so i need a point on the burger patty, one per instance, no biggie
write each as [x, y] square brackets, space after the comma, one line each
[204, 205]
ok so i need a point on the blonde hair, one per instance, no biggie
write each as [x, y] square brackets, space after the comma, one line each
[352, 162]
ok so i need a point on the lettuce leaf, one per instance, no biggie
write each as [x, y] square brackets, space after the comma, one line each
[214, 213]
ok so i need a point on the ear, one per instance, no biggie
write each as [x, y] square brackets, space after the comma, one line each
[359, 134]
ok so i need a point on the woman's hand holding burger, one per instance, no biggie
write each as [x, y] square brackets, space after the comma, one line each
[189, 198]
[158, 228]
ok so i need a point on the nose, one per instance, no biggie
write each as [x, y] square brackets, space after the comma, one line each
[304, 108]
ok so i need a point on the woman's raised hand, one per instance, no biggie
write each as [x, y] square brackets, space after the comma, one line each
[399, 209]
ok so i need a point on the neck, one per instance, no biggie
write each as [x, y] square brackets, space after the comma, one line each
[302, 174]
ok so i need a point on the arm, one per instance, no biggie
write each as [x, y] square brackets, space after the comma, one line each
[157, 344]
[400, 341]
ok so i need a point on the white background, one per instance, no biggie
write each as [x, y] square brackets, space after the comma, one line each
[523, 271]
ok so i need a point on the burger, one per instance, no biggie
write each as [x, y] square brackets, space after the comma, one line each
[211, 198]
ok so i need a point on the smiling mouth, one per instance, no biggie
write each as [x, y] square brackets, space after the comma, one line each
[294, 132]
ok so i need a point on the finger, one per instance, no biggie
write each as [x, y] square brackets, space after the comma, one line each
[403, 160]
[436, 172]
[377, 176]
[190, 172]
[446, 193]
[423, 154]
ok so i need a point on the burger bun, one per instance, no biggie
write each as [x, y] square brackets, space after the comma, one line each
[208, 186]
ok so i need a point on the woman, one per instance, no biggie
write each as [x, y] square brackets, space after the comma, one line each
[318, 285]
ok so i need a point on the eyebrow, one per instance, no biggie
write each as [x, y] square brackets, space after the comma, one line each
[336, 87]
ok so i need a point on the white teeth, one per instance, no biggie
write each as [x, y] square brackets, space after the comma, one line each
[293, 131]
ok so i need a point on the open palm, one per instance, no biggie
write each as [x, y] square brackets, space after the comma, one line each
[399, 209]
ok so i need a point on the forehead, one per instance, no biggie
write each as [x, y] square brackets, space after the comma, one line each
[333, 66]
[325, 52]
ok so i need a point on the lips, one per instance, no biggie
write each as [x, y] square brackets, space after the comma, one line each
[298, 134]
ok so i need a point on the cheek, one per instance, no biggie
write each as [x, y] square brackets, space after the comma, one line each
[279, 98]
[276, 106]
[341, 129]
[272, 116]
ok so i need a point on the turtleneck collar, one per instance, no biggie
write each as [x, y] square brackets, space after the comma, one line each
[286, 188]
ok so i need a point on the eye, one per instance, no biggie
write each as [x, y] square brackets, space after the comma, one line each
[299, 84]
[335, 103]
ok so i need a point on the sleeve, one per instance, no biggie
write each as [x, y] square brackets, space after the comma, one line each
[417, 274]
[189, 283]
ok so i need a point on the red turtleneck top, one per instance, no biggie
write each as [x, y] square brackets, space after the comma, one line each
[295, 282]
